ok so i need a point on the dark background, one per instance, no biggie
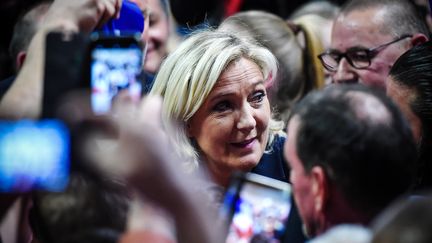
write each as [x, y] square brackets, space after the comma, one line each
[11, 9]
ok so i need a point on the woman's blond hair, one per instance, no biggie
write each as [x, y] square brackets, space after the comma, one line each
[188, 75]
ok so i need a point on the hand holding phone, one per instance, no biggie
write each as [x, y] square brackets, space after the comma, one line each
[115, 64]
[131, 21]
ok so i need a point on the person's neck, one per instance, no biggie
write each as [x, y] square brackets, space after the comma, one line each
[340, 211]
[220, 175]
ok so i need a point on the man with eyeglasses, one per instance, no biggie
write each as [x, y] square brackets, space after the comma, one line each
[367, 38]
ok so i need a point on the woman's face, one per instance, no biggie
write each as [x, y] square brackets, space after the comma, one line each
[158, 33]
[231, 127]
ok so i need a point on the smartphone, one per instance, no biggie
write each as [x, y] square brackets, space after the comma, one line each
[257, 208]
[34, 155]
[114, 66]
[64, 66]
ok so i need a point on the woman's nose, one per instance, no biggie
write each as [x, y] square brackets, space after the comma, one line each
[246, 120]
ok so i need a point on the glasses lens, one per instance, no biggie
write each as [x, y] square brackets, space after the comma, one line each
[359, 58]
[330, 61]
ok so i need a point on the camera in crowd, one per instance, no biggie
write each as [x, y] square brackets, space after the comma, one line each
[37, 154]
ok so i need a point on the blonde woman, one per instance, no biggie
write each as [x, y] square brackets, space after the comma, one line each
[215, 106]
[217, 113]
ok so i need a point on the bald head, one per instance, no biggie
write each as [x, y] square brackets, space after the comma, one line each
[399, 17]
[368, 108]
[354, 133]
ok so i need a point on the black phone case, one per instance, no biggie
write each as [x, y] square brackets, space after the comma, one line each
[64, 63]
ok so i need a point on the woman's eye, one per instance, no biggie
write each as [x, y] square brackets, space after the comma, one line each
[222, 106]
[258, 96]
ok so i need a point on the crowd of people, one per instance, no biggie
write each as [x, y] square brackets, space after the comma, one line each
[335, 100]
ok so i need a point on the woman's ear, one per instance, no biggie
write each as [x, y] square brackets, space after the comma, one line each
[418, 39]
[189, 131]
[20, 58]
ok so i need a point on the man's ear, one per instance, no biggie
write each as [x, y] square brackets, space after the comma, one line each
[320, 188]
[418, 39]
[20, 58]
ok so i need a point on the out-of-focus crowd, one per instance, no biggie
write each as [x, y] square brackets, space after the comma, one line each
[333, 99]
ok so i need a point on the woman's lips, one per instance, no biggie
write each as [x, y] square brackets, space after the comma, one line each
[245, 144]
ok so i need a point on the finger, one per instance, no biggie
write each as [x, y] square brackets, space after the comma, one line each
[118, 5]
[111, 8]
[75, 110]
[105, 157]
[106, 10]
[75, 107]
[124, 109]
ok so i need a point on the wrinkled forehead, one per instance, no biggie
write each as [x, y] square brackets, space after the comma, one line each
[359, 28]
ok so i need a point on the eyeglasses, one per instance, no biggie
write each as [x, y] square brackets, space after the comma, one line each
[359, 58]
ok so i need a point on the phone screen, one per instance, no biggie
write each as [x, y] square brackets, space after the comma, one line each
[115, 64]
[33, 155]
[259, 207]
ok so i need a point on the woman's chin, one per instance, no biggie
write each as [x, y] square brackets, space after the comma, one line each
[151, 64]
[247, 163]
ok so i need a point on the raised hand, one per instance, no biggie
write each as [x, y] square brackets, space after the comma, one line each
[84, 15]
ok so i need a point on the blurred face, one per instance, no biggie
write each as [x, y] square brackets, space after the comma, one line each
[231, 126]
[144, 6]
[351, 32]
[403, 96]
[157, 36]
[300, 180]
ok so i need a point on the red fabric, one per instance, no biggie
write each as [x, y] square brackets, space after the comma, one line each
[232, 7]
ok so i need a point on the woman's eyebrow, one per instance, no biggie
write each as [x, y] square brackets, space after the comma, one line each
[230, 92]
